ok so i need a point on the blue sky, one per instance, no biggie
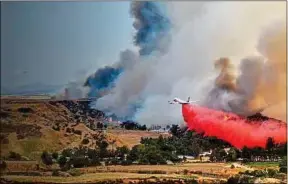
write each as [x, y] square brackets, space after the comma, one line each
[52, 43]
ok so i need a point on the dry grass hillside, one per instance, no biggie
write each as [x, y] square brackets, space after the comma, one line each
[31, 126]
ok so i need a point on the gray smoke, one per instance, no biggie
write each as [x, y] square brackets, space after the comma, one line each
[261, 81]
[233, 30]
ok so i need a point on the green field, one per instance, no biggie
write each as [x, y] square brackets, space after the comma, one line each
[262, 164]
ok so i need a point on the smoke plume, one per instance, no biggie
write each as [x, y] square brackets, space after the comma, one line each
[151, 26]
[152, 36]
[103, 79]
[262, 79]
[248, 37]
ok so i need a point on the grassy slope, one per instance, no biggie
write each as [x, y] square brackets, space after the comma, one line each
[45, 116]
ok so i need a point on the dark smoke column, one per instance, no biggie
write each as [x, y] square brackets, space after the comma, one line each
[152, 37]
[152, 27]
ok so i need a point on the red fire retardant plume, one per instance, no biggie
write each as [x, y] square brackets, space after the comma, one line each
[232, 128]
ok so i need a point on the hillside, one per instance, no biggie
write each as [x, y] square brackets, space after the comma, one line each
[29, 126]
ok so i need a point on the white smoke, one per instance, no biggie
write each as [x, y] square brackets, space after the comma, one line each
[203, 33]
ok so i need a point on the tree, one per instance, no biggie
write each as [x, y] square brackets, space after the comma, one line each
[46, 158]
[246, 153]
[55, 155]
[85, 141]
[3, 165]
[218, 155]
[270, 143]
[283, 165]
[62, 161]
[185, 158]
[129, 125]
[79, 161]
[174, 130]
[99, 125]
[14, 156]
[102, 145]
[143, 127]
[67, 152]
[134, 153]
[232, 155]
[122, 151]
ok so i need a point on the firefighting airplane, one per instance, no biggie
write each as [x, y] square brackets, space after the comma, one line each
[179, 101]
[256, 116]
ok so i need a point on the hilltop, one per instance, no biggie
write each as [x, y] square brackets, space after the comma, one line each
[32, 125]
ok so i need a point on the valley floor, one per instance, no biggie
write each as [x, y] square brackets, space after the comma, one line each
[202, 171]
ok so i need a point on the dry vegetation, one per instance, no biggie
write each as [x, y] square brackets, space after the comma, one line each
[30, 126]
[130, 137]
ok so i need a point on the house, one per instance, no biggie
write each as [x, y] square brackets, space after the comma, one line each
[206, 153]
[186, 156]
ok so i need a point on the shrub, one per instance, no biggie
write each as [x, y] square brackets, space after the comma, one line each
[193, 181]
[68, 130]
[151, 172]
[46, 158]
[62, 161]
[283, 169]
[56, 128]
[248, 172]
[75, 172]
[259, 173]
[233, 179]
[232, 155]
[3, 165]
[272, 172]
[55, 173]
[80, 161]
[67, 152]
[185, 171]
[85, 141]
[125, 162]
[55, 155]
[114, 161]
[25, 110]
[245, 160]
[3, 115]
[4, 141]
[246, 179]
[282, 175]
[78, 132]
[14, 156]
[283, 165]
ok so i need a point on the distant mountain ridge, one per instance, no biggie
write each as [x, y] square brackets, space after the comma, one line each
[31, 89]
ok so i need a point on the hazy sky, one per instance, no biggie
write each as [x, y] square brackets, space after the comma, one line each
[55, 42]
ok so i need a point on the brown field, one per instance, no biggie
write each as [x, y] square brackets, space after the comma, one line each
[21, 165]
[87, 178]
[131, 137]
[90, 174]
[203, 167]
[208, 172]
